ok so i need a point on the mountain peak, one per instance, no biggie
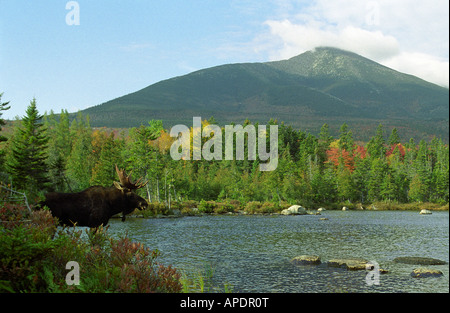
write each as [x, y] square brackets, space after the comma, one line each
[334, 63]
[324, 85]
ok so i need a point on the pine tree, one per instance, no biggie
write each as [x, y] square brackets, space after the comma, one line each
[80, 161]
[59, 148]
[28, 166]
[104, 172]
[376, 176]
[388, 188]
[375, 147]
[140, 152]
[344, 180]
[441, 174]
[420, 188]
[324, 143]
[394, 137]
[361, 176]
[346, 138]
[3, 107]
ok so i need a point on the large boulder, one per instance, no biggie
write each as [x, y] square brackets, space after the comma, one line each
[425, 272]
[306, 260]
[351, 264]
[419, 260]
[294, 210]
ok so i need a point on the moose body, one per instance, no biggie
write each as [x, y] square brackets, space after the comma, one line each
[96, 205]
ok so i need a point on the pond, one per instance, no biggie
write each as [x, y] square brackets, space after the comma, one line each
[253, 253]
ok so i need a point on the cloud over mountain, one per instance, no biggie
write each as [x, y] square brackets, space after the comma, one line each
[398, 34]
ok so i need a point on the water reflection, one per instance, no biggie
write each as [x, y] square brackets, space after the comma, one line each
[252, 253]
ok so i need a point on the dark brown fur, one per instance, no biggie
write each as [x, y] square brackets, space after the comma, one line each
[94, 206]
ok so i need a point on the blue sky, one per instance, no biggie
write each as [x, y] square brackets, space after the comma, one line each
[122, 46]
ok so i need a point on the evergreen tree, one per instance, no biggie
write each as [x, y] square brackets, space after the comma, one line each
[3, 107]
[346, 138]
[375, 147]
[288, 138]
[323, 186]
[80, 160]
[59, 148]
[394, 137]
[361, 176]
[139, 153]
[104, 172]
[376, 176]
[420, 188]
[388, 187]
[28, 166]
[441, 174]
[324, 143]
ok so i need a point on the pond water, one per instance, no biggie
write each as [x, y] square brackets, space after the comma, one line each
[253, 253]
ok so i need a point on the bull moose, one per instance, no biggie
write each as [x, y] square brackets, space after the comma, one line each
[95, 206]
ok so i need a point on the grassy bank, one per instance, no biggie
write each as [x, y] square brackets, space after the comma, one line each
[411, 206]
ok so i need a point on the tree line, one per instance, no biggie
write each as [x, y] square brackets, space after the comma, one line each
[60, 153]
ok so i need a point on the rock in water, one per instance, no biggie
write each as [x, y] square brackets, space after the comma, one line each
[352, 264]
[294, 210]
[425, 272]
[306, 260]
[419, 260]
[424, 212]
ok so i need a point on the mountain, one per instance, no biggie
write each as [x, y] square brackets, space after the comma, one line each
[325, 85]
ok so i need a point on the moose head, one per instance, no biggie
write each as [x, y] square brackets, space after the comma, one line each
[127, 187]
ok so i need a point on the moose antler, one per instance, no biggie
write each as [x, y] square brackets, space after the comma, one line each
[126, 182]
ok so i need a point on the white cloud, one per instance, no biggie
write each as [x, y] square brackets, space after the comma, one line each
[410, 36]
[425, 66]
[297, 38]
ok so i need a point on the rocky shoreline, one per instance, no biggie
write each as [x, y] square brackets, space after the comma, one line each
[293, 210]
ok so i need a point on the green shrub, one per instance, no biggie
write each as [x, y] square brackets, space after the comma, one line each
[34, 254]
[158, 208]
[190, 204]
[256, 207]
[206, 206]
[222, 208]
[252, 207]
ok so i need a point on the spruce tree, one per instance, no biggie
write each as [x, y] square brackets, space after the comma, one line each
[3, 107]
[346, 138]
[104, 171]
[80, 160]
[27, 165]
[375, 147]
[394, 138]
[59, 148]
[324, 143]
